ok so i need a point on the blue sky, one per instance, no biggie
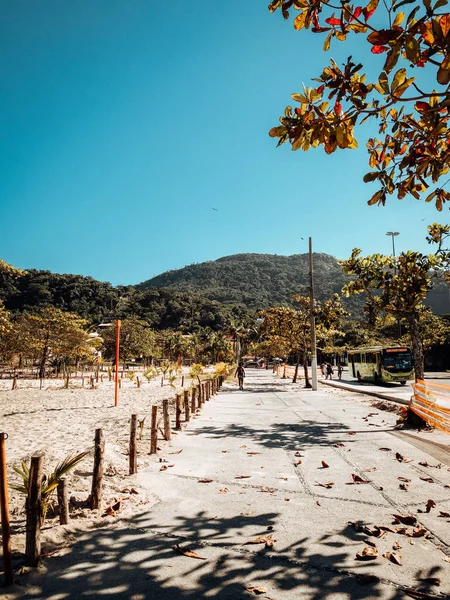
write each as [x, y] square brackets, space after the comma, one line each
[123, 122]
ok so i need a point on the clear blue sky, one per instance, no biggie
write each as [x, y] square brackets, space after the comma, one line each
[123, 122]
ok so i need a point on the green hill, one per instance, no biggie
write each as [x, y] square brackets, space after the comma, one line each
[256, 280]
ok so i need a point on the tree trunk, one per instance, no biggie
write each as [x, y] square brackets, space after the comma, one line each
[43, 362]
[305, 368]
[294, 380]
[416, 343]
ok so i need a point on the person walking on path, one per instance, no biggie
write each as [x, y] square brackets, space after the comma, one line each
[340, 369]
[240, 374]
[328, 370]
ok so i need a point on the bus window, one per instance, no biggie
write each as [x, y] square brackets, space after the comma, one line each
[397, 361]
[370, 358]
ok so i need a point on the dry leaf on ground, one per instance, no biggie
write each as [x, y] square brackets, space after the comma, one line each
[367, 553]
[427, 479]
[253, 453]
[242, 476]
[442, 513]
[163, 468]
[299, 454]
[223, 491]
[396, 546]
[385, 449]
[371, 470]
[417, 532]
[405, 479]
[404, 486]
[324, 465]
[430, 504]
[393, 557]
[204, 480]
[339, 445]
[256, 589]
[402, 459]
[357, 479]
[405, 519]
[328, 485]
[177, 451]
[262, 539]
[187, 552]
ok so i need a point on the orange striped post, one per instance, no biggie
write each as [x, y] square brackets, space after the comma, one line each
[116, 382]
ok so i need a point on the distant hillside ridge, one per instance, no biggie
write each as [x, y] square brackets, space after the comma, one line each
[263, 280]
[256, 280]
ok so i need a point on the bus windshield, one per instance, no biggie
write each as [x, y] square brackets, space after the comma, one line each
[395, 361]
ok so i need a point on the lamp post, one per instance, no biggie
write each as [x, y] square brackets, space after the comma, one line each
[393, 234]
[312, 321]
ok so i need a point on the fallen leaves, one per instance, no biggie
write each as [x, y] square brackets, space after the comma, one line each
[405, 479]
[404, 487]
[367, 553]
[385, 449]
[177, 451]
[267, 540]
[402, 459]
[113, 509]
[242, 476]
[328, 485]
[252, 453]
[163, 468]
[324, 465]
[205, 481]
[357, 480]
[427, 479]
[405, 519]
[396, 546]
[339, 445]
[430, 504]
[371, 470]
[223, 491]
[393, 557]
[256, 589]
[299, 454]
[424, 463]
[444, 514]
[187, 552]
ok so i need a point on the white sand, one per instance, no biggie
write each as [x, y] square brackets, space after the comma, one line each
[59, 422]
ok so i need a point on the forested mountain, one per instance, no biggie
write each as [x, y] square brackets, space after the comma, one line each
[256, 280]
[97, 302]
[211, 294]
[264, 280]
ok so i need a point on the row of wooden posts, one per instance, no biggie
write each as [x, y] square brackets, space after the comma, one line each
[188, 402]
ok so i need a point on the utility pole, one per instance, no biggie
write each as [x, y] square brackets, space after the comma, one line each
[393, 234]
[116, 378]
[313, 322]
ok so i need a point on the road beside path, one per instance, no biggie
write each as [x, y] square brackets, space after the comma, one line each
[272, 460]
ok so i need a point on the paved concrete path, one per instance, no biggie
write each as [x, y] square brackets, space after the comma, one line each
[259, 453]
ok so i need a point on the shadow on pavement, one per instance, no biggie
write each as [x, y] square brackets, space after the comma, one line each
[136, 560]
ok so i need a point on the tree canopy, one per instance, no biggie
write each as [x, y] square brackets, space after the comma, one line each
[411, 152]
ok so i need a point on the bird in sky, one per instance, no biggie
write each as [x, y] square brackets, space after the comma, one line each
[215, 209]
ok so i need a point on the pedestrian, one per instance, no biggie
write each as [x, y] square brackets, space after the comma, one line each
[329, 370]
[240, 374]
[322, 368]
[340, 369]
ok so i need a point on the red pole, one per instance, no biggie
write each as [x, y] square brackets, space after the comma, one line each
[116, 383]
[6, 533]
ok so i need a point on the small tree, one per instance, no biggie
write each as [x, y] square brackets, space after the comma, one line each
[398, 286]
[136, 339]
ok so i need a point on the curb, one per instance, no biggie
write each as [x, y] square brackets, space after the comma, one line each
[382, 395]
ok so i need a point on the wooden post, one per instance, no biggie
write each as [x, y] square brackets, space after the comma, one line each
[120, 383]
[178, 412]
[4, 506]
[166, 419]
[33, 510]
[182, 381]
[40, 383]
[132, 452]
[187, 410]
[63, 501]
[116, 379]
[154, 431]
[199, 396]
[138, 381]
[193, 401]
[97, 475]
[14, 383]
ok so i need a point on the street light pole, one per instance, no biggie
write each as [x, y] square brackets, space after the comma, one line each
[312, 321]
[393, 234]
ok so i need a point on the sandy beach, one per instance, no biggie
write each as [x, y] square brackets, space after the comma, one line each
[60, 422]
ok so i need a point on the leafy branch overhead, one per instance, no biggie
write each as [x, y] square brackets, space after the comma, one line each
[412, 151]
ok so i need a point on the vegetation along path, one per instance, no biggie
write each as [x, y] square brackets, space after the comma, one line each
[274, 491]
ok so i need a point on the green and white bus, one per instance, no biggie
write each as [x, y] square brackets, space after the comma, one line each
[381, 363]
